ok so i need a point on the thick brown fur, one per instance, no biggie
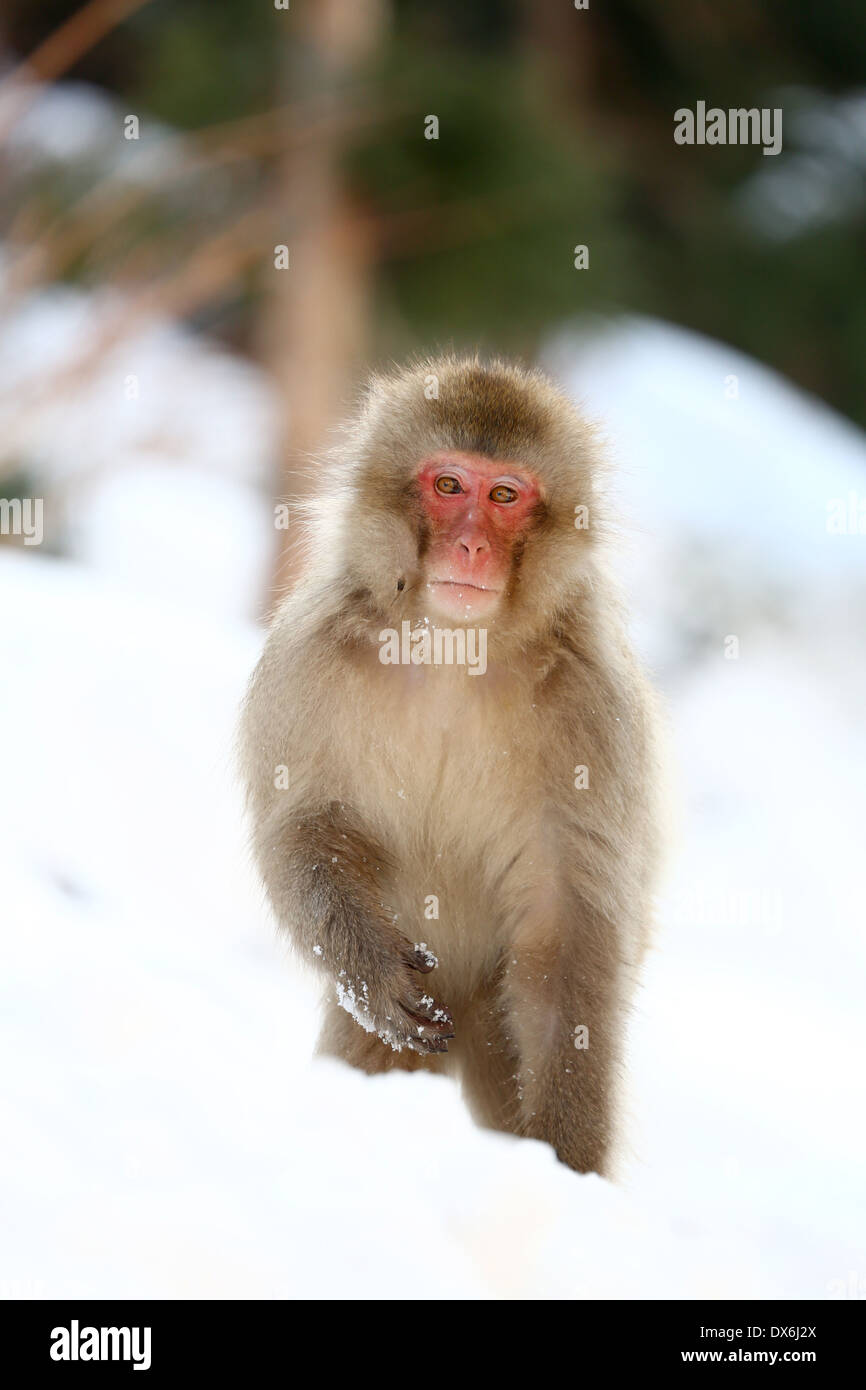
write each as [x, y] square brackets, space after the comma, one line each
[409, 782]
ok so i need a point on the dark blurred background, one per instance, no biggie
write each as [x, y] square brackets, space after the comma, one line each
[555, 128]
[305, 127]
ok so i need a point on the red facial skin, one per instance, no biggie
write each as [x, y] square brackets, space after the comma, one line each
[473, 533]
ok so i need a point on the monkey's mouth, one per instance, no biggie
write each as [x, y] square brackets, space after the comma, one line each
[462, 584]
[461, 599]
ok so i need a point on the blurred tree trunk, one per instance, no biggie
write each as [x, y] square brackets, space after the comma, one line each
[315, 315]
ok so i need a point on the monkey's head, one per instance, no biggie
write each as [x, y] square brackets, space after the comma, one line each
[467, 494]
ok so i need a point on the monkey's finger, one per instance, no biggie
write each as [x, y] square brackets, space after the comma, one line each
[425, 1006]
[435, 1027]
[422, 959]
[426, 1045]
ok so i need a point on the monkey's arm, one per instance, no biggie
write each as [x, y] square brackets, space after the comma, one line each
[326, 879]
[575, 956]
[564, 992]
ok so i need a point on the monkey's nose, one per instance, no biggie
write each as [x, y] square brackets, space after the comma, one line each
[474, 545]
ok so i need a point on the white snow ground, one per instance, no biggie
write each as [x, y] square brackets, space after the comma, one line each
[164, 1131]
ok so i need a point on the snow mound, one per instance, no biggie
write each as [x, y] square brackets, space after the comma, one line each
[166, 1131]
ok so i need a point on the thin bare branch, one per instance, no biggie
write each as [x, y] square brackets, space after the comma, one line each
[58, 53]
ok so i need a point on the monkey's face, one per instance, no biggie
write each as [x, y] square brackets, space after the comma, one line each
[478, 512]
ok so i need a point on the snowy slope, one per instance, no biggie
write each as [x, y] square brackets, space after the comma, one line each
[165, 1132]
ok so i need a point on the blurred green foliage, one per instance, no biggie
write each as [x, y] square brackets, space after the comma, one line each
[479, 226]
[556, 129]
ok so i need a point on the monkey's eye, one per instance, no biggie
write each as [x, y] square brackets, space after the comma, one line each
[448, 485]
[503, 493]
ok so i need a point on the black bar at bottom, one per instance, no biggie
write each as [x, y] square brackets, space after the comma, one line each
[159, 1340]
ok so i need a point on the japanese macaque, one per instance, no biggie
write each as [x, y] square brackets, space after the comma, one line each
[466, 848]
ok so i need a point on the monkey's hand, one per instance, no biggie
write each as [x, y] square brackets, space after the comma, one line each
[393, 1003]
[326, 881]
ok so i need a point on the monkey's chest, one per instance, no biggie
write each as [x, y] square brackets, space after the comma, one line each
[450, 781]
[443, 757]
